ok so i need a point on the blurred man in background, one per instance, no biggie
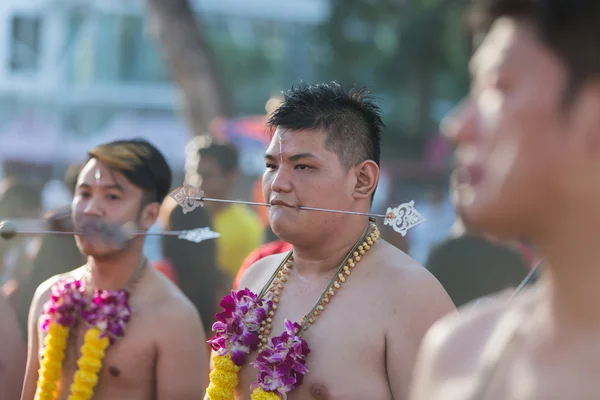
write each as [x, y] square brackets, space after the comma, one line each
[241, 229]
[528, 150]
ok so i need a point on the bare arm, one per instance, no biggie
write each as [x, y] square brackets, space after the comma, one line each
[33, 363]
[182, 360]
[425, 301]
[12, 353]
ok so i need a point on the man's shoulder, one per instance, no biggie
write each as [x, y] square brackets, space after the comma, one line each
[166, 296]
[44, 288]
[169, 305]
[455, 343]
[400, 271]
[259, 272]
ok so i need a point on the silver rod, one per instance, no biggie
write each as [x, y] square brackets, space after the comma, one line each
[529, 279]
[254, 203]
[48, 232]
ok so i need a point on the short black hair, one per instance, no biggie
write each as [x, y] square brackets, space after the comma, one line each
[350, 119]
[225, 154]
[140, 162]
[71, 175]
[570, 29]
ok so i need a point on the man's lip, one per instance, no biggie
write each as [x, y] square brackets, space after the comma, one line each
[470, 175]
[280, 203]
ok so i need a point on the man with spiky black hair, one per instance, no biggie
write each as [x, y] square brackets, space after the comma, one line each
[325, 153]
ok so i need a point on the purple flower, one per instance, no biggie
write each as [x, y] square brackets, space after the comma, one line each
[237, 326]
[66, 301]
[282, 365]
[109, 311]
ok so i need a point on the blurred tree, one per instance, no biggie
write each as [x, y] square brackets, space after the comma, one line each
[412, 53]
[174, 25]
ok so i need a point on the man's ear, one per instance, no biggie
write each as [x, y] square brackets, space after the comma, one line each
[588, 117]
[367, 176]
[149, 215]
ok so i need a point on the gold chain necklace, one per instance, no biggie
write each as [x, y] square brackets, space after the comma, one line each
[276, 284]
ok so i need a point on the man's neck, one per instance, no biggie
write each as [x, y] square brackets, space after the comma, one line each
[328, 254]
[115, 272]
[572, 278]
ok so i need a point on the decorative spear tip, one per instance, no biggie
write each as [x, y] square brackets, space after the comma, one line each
[8, 230]
[188, 197]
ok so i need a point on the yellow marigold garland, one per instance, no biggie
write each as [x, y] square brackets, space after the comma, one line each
[54, 353]
[89, 363]
[260, 394]
[223, 378]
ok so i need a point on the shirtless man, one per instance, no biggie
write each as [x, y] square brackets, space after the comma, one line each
[528, 141]
[163, 354]
[325, 153]
[12, 353]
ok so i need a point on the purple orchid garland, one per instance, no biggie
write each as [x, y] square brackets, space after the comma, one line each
[238, 325]
[108, 311]
[282, 365]
[67, 298]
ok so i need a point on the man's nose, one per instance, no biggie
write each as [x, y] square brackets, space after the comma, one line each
[459, 126]
[93, 207]
[281, 181]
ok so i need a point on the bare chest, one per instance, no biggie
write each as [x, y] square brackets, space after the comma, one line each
[127, 369]
[347, 343]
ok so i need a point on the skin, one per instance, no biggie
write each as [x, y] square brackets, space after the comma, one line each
[163, 354]
[540, 162]
[12, 353]
[364, 343]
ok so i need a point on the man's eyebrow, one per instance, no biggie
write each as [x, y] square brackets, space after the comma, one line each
[295, 157]
[105, 187]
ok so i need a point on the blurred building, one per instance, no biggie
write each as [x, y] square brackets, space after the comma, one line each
[74, 72]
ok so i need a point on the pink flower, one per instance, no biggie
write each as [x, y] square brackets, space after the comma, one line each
[282, 365]
[237, 326]
[66, 301]
[109, 311]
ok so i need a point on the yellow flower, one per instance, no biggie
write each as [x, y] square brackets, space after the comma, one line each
[224, 363]
[89, 363]
[219, 393]
[260, 394]
[54, 354]
[224, 379]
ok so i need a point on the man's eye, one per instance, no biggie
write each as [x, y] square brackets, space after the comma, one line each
[113, 197]
[303, 167]
[270, 166]
[84, 195]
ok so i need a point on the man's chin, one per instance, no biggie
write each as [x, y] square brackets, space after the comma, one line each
[95, 251]
[492, 220]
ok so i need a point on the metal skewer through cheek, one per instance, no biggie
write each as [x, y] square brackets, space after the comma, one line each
[114, 234]
[254, 203]
[400, 218]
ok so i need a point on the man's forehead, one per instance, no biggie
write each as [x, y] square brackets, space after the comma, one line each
[307, 139]
[505, 45]
[98, 173]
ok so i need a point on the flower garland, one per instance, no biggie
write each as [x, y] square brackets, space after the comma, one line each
[236, 336]
[245, 325]
[106, 314]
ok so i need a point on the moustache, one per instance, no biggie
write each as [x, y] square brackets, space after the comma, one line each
[110, 233]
